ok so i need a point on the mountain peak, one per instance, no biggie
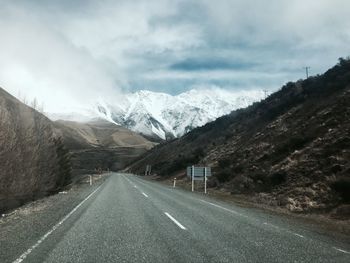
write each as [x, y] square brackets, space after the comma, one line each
[163, 115]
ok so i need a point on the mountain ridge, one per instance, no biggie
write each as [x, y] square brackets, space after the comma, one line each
[290, 150]
[164, 116]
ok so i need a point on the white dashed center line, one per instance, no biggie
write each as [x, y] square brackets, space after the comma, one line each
[298, 235]
[144, 194]
[175, 221]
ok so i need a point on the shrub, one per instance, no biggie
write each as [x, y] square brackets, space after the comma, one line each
[223, 175]
[64, 164]
[237, 169]
[223, 163]
[342, 187]
[278, 178]
[199, 153]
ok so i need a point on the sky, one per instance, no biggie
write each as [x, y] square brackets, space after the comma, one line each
[72, 52]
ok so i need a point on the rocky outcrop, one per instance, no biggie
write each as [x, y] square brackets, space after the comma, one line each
[29, 165]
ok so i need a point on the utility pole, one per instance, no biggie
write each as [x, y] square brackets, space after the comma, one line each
[265, 92]
[307, 71]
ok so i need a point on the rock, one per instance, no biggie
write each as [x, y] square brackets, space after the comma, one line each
[293, 205]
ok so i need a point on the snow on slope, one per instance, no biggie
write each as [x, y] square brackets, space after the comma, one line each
[164, 115]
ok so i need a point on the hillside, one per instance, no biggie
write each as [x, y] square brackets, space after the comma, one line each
[100, 144]
[38, 157]
[31, 156]
[290, 150]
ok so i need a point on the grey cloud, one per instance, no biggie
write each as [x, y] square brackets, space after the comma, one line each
[76, 51]
[210, 64]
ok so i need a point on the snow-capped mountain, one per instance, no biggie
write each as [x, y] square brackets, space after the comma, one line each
[166, 116]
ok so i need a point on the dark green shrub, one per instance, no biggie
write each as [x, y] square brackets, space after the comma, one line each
[223, 163]
[198, 153]
[64, 164]
[223, 175]
[237, 169]
[278, 178]
[294, 143]
[342, 187]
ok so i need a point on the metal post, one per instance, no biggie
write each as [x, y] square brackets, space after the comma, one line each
[174, 183]
[192, 173]
[307, 71]
[90, 179]
[205, 180]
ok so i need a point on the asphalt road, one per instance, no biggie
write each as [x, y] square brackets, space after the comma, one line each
[128, 219]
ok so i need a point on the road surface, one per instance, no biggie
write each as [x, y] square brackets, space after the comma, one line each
[128, 219]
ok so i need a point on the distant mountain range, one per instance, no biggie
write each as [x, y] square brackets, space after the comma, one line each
[163, 116]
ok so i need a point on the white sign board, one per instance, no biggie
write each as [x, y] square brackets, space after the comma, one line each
[198, 172]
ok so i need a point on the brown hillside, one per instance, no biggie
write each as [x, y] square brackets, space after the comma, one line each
[290, 150]
[100, 144]
[28, 154]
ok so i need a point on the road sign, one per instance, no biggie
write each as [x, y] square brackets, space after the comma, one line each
[198, 174]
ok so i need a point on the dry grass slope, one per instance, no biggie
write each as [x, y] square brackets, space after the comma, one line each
[100, 145]
[28, 157]
[290, 150]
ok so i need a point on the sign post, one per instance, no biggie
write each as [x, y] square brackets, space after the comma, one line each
[148, 169]
[198, 174]
[205, 180]
[192, 171]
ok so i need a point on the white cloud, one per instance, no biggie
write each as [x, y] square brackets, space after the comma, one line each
[70, 53]
[40, 62]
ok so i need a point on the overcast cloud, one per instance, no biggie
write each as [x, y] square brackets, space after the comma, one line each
[73, 52]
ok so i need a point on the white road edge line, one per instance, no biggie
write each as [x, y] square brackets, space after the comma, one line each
[281, 229]
[175, 221]
[25, 254]
[341, 250]
[144, 194]
[224, 208]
